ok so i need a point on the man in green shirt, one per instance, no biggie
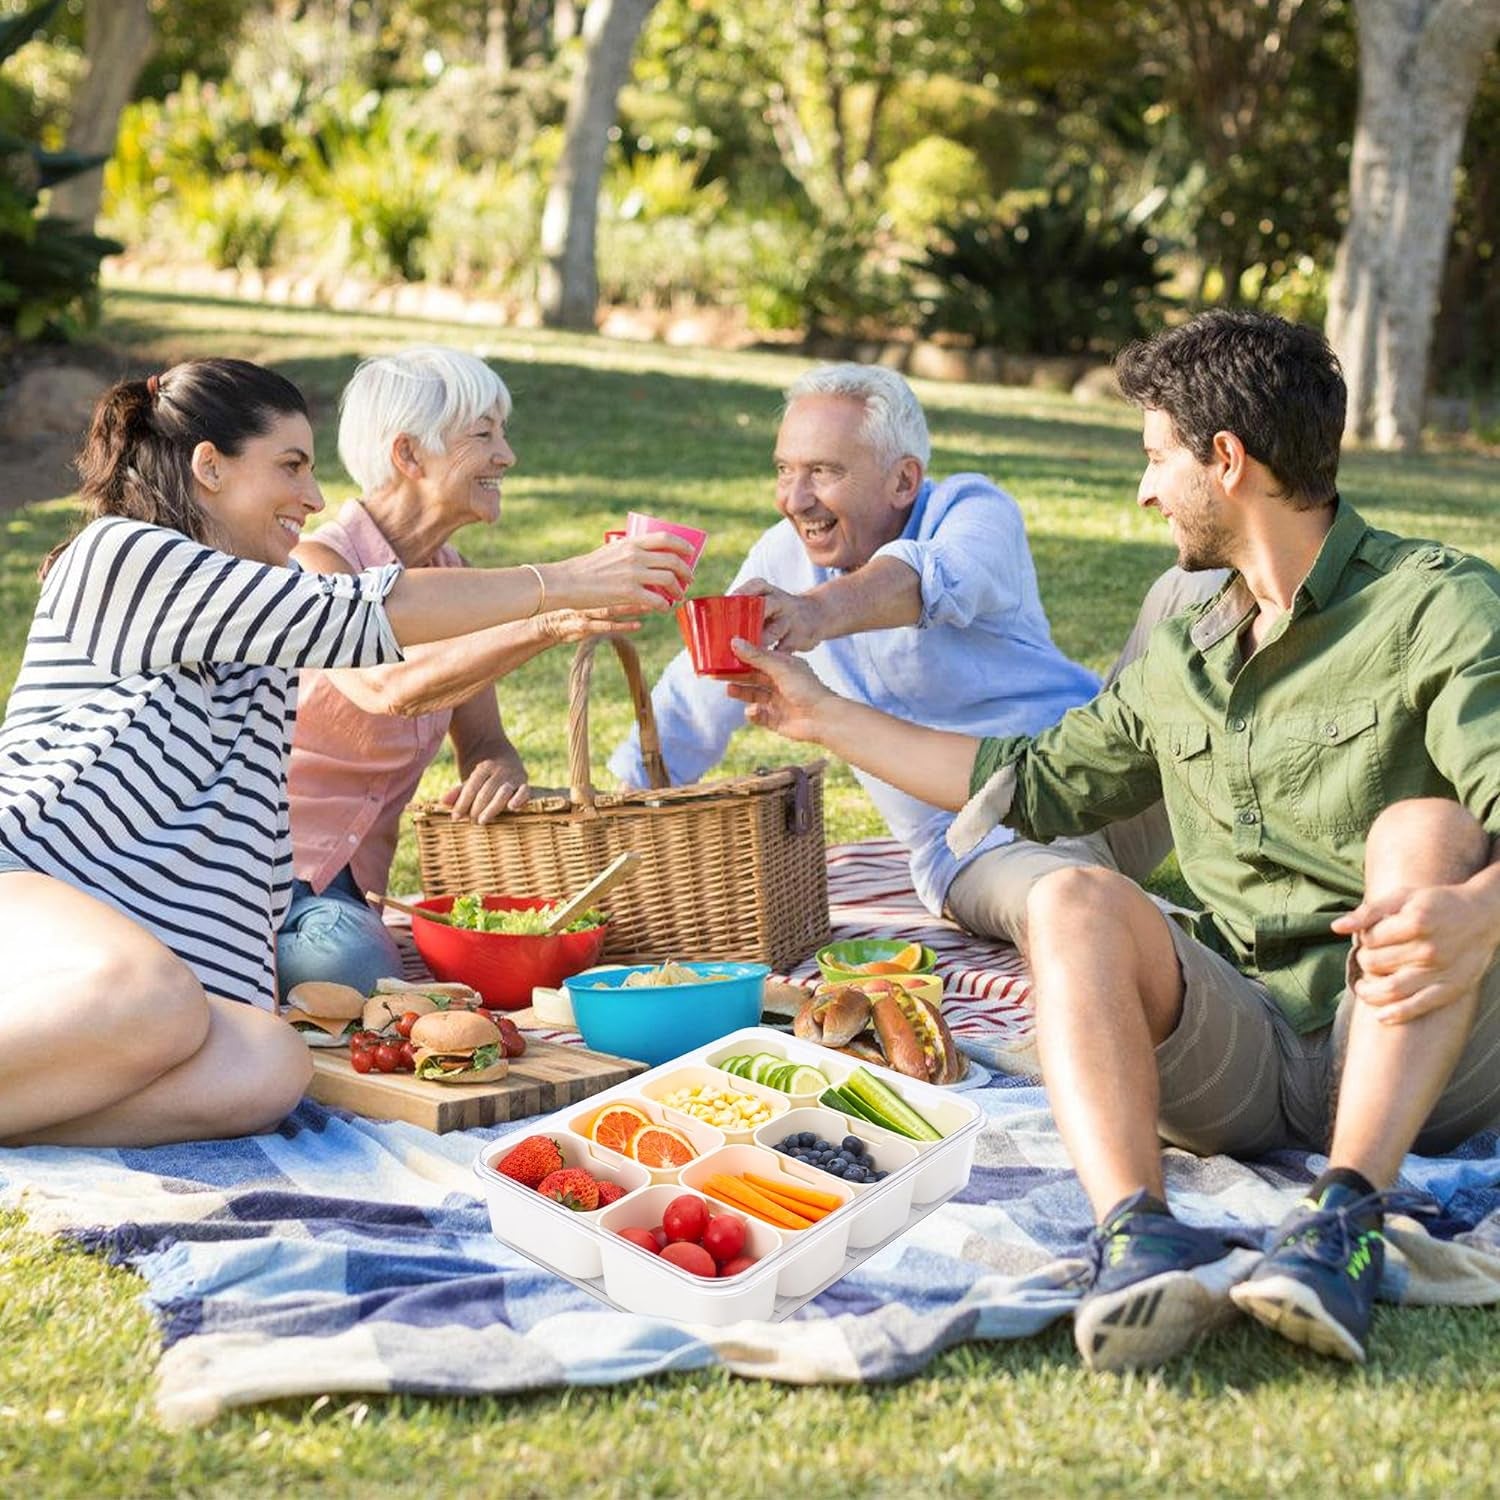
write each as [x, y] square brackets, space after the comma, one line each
[1325, 732]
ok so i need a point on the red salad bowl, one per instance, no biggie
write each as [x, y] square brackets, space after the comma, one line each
[709, 624]
[503, 966]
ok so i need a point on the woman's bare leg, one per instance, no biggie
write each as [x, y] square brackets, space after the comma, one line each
[107, 1038]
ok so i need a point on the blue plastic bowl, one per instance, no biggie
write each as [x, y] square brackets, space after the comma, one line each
[659, 1022]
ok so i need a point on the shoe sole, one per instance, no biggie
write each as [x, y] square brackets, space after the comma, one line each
[1147, 1323]
[1293, 1310]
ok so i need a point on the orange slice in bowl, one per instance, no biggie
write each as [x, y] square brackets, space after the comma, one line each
[908, 960]
[660, 1146]
[616, 1125]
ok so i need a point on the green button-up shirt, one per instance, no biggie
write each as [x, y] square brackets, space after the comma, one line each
[1382, 682]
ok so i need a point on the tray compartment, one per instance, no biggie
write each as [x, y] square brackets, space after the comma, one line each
[705, 1138]
[879, 1208]
[645, 1283]
[692, 1073]
[811, 1255]
[545, 1230]
[776, 1046]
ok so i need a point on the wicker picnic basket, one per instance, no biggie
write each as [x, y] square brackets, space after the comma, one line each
[731, 869]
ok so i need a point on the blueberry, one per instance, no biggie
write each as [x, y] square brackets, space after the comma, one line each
[881, 1176]
[853, 1144]
[808, 1138]
[822, 1145]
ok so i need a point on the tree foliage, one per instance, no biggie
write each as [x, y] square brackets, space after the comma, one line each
[49, 267]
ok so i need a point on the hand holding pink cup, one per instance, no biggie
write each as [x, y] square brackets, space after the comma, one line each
[637, 524]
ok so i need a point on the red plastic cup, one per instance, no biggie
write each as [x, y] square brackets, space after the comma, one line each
[709, 624]
[637, 524]
[614, 535]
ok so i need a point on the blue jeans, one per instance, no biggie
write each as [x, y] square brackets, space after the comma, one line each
[336, 936]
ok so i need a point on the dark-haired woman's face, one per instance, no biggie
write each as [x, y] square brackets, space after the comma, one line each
[259, 497]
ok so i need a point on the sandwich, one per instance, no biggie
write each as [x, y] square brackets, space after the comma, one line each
[326, 1014]
[458, 1046]
[394, 998]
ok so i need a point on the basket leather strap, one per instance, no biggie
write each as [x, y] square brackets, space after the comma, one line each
[579, 678]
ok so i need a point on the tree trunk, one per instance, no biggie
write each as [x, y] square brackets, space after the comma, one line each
[569, 289]
[1419, 67]
[497, 58]
[118, 38]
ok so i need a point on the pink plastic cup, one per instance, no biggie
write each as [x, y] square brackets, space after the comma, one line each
[710, 623]
[637, 524]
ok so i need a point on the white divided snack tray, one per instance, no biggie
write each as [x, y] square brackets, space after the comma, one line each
[791, 1265]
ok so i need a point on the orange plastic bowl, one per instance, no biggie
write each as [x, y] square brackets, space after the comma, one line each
[503, 966]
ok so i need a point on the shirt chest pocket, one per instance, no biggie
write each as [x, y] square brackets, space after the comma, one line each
[1189, 783]
[1330, 768]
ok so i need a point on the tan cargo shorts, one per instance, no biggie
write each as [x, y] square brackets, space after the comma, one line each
[1236, 1078]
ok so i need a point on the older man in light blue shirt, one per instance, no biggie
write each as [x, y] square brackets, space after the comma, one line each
[918, 598]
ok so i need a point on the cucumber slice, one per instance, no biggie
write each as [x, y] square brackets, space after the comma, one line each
[806, 1080]
[846, 1104]
[870, 1091]
[781, 1078]
[735, 1066]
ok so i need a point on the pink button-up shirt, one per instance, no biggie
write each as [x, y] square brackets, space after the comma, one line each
[352, 772]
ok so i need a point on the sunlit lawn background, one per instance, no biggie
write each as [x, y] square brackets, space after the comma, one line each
[601, 429]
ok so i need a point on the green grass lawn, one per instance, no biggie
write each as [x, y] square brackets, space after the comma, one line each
[600, 429]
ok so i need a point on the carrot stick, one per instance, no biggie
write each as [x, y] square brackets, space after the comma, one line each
[789, 1189]
[793, 1205]
[768, 1214]
[747, 1197]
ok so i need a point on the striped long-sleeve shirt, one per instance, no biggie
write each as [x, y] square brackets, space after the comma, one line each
[144, 748]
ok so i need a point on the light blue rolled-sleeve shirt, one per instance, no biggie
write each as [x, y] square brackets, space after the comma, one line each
[979, 661]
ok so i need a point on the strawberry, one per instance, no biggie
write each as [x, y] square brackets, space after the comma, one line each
[573, 1188]
[610, 1192]
[533, 1159]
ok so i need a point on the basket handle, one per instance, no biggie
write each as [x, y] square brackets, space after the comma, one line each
[579, 678]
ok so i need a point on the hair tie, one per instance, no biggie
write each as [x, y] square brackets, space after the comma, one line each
[153, 385]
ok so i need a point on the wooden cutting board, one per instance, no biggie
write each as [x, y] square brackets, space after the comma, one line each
[546, 1078]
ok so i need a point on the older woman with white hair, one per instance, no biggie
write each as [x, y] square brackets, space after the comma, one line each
[423, 434]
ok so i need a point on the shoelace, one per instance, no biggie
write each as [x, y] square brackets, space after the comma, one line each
[1330, 1235]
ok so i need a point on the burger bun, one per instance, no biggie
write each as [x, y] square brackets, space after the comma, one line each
[455, 1031]
[332, 1002]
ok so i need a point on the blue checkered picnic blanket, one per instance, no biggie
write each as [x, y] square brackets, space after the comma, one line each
[340, 1254]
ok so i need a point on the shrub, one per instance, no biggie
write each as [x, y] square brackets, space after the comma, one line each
[239, 219]
[933, 182]
[49, 268]
[1062, 277]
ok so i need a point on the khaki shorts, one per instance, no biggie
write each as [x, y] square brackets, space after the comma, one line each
[1236, 1078]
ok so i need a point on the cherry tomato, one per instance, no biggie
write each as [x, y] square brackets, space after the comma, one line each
[660, 1236]
[405, 1024]
[689, 1257]
[360, 1060]
[735, 1266]
[724, 1239]
[408, 1057]
[686, 1218]
[642, 1237]
[386, 1057]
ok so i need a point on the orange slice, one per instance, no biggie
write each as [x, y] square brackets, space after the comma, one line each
[661, 1146]
[908, 960]
[905, 960]
[616, 1125]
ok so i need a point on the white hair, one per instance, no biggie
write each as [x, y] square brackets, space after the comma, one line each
[426, 392]
[894, 425]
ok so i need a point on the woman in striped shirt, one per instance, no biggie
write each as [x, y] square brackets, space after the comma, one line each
[144, 849]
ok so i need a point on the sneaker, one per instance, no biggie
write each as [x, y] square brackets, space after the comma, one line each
[1145, 1305]
[1316, 1285]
